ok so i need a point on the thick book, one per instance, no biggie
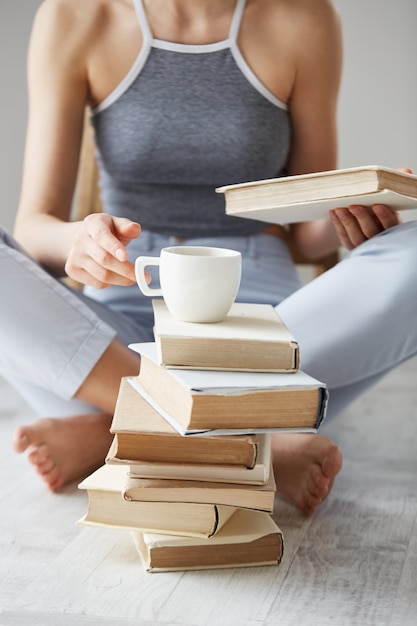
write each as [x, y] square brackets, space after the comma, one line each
[211, 401]
[258, 475]
[311, 196]
[107, 507]
[251, 337]
[142, 435]
[249, 538]
[259, 497]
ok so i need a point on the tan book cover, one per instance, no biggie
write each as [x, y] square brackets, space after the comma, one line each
[107, 507]
[142, 435]
[310, 196]
[260, 497]
[251, 337]
[196, 401]
[249, 538]
[258, 475]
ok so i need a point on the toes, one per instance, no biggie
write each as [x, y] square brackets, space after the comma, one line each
[46, 468]
[50, 474]
[319, 483]
[53, 480]
[310, 505]
[21, 438]
[39, 455]
[322, 492]
[305, 469]
[313, 500]
[332, 462]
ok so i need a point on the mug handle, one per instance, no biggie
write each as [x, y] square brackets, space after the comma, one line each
[140, 264]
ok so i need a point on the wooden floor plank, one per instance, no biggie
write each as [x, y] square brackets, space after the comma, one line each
[353, 562]
[404, 612]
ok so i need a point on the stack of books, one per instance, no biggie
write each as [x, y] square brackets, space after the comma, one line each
[189, 471]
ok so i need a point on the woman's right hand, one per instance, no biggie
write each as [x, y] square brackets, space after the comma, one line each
[98, 255]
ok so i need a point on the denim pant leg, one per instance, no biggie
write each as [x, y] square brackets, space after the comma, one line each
[358, 321]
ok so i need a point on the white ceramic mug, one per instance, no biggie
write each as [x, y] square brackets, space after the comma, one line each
[198, 283]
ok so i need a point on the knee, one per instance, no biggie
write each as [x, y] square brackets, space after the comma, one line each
[398, 251]
[397, 246]
[405, 234]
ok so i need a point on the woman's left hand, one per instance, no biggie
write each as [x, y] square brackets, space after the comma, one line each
[355, 224]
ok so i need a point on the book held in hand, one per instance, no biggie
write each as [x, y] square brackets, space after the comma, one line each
[310, 196]
[221, 402]
[251, 337]
[142, 435]
[249, 538]
[107, 507]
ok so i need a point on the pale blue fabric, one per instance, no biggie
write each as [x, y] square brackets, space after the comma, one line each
[354, 323]
[359, 320]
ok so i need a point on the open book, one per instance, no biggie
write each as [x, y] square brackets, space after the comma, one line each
[310, 196]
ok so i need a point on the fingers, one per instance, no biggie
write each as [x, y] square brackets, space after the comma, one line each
[98, 256]
[112, 233]
[125, 230]
[386, 216]
[356, 224]
[348, 228]
[99, 268]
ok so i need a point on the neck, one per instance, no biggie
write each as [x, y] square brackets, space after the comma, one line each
[203, 8]
[190, 21]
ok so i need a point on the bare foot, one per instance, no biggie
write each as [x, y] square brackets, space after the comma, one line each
[65, 449]
[305, 467]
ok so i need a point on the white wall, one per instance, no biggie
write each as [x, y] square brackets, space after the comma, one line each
[16, 18]
[378, 104]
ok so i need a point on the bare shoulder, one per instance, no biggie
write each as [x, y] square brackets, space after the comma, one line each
[317, 17]
[83, 45]
[306, 18]
[74, 27]
[290, 43]
[72, 22]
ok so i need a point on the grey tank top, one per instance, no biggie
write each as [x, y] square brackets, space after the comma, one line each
[185, 120]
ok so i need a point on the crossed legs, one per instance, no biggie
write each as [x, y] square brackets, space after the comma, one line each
[354, 324]
[66, 449]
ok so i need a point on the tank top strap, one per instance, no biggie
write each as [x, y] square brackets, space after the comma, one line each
[148, 36]
[143, 22]
[236, 20]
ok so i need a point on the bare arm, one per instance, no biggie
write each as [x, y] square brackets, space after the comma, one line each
[313, 109]
[64, 33]
[315, 144]
[57, 96]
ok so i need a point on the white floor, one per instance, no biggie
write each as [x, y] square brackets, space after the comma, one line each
[352, 563]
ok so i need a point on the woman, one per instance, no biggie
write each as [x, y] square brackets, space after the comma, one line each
[185, 96]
